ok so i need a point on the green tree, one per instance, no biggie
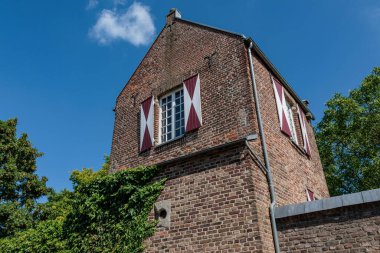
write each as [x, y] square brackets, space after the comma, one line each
[20, 187]
[105, 213]
[348, 138]
[110, 211]
[86, 176]
[46, 235]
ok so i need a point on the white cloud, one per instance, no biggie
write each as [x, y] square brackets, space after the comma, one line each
[376, 12]
[92, 4]
[119, 2]
[373, 16]
[135, 25]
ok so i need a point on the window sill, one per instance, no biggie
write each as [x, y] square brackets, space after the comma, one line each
[168, 142]
[299, 149]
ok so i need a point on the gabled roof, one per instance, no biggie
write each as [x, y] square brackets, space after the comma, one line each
[256, 50]
[260, 54]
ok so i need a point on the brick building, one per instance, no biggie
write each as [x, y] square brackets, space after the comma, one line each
[231, 136]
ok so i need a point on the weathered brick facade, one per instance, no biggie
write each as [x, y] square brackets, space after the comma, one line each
[178, 53]
[213, 205]
[219, 195]
[292, 170]
[348, 228]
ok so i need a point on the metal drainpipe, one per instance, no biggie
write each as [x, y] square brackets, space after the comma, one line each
[264, 146]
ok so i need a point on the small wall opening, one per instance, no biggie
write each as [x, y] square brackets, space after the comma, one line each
[162, 212]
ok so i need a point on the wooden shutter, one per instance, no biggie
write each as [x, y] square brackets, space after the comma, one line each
[146, 124]
[310, 195]
[281, 107]
[192, 101]
[306, 143]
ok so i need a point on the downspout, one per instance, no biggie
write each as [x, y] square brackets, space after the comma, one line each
[264, 147]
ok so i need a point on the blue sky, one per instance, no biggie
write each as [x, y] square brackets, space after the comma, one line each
[63, 63]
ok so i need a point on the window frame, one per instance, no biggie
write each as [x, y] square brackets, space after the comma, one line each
[292, 124]
[173, 120]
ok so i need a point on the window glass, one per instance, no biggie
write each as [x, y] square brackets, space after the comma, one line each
[172, 117]
[291, 123]
[179, 114]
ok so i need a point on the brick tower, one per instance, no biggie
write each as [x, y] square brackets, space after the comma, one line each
[211, 110]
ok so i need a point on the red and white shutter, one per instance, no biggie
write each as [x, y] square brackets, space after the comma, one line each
[310, 195]
[281, 107]
[306, 143]
[146, 124]
[192, 103]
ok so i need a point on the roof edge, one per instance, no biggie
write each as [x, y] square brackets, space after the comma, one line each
[211, 27]
[277, 74]
[256, 49]
[138, 66]
[260, 53]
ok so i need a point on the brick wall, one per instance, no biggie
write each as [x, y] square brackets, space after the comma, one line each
[214, 205]
[219, 200]
[179, 52]
[293, 172]
[354, 228]
[347, 223]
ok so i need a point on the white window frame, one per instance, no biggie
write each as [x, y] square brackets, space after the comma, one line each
[293, 129]
[172, 94]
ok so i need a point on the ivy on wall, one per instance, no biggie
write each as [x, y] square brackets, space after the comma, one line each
[105, 213]
[110, 214]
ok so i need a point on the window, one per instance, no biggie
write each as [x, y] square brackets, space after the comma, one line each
[289, 111]
[310, 195]
[172, 116]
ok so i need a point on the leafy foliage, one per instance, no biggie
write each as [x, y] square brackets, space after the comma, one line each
[47, 233]
[20, 187]
[348, 138]
[105, 212]
[86, 176]
[110, 213]
[45, 237]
